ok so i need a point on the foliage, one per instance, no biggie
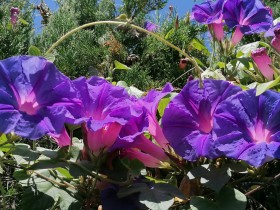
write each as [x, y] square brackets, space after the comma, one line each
[212, 144]
[15, 40]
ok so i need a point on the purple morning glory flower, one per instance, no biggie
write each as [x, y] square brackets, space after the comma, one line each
[35, 98]
[150, 102]
[210, 13]
[247, 17]
[270, 32]
[248, 127]
[275, 42]
[188, 119]
[14, 15]
[149, 26]
[106, 109]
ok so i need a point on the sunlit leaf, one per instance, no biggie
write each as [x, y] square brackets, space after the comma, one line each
[33, 50]
[261, 88]
[23, 21]
[120, 66]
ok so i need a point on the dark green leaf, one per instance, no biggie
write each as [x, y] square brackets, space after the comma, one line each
[231, 199]
[212, 177]
[24, 154]
[46, 164]
[201, 203]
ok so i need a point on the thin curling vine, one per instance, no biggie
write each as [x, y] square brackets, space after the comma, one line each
[68, 34]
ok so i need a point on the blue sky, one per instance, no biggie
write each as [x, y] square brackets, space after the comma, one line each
[182, 6]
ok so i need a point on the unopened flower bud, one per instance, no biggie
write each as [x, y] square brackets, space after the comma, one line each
[263, 62]
[183, 63]
[14, 15]
[275, 42]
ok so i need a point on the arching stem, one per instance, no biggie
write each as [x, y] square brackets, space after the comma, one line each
[68, 34]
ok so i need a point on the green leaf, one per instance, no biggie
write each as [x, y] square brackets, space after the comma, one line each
[245, 50]
[32, 50]
[64, 197]
[169, 33]
[160, 196]
[32, 200]
[135, 188]
[23, 21]
[201, 203]
[46, 164]
[217, 74]
[47, 152]
[212, 177]
[231, 199]
[134, 166]
[131, 90]
[261, 88]
[155, 200]
[162, 105]
[9, 26]
[75, 152]
[3, 139]
[228, 198]
[64, 172]
[120, 66]
[122, 17]
[23, 154]
[7, 147]
[50, 57]
[1, 170]
[199, 62]
[198, 45]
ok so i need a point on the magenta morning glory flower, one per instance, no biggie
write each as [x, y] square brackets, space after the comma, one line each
[14, 15]
[188, 119]
[210, 13]
[35, 98]
[263, 62]
[247, 17]
[106, 109]
[248, 127]
[275, 42]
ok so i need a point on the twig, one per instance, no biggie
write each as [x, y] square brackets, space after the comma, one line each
[260, 187]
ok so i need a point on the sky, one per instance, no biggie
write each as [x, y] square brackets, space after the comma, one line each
[182, 6]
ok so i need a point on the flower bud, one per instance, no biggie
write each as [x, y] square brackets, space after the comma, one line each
[275, 42]
[14, 15]
[263, 62]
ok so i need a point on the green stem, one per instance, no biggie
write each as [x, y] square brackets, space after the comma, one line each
[99, 176]
[61, 39]
[2, 190]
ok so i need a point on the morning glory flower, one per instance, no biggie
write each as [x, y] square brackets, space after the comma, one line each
[106, 109]
[150, 102]
[263, 62]
[247, 17]
[131, 137]
[187, 122]
[247, 127]
[35, 97]
[14, 15]
[210, 13]
[275, 42]
[149, 26]
[270, 32]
